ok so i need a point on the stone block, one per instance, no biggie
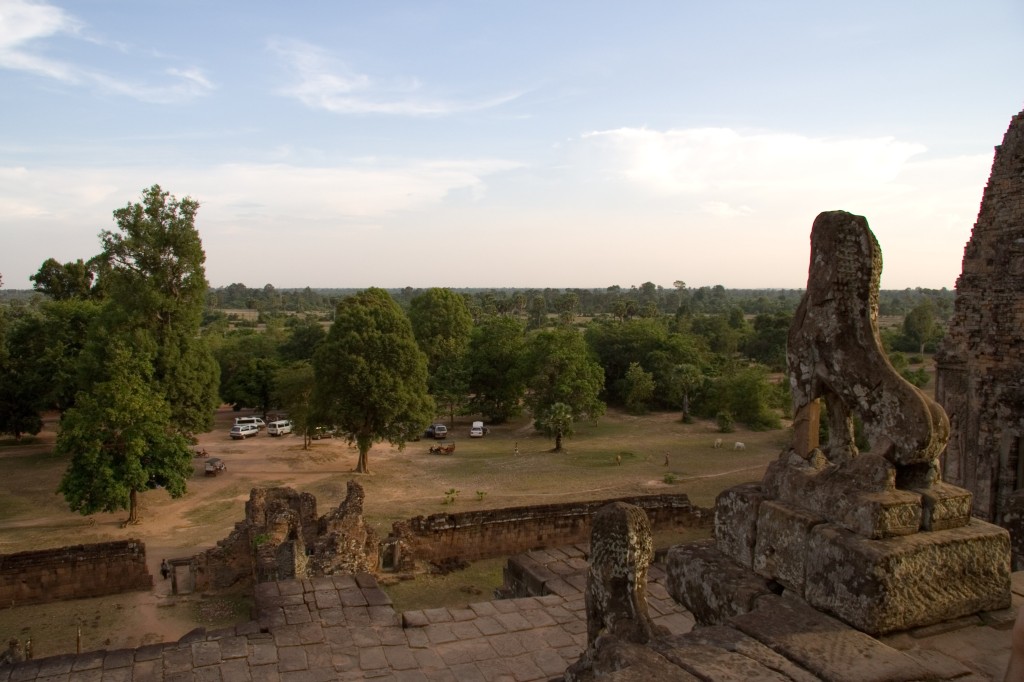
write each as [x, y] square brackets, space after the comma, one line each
[834, 652]
[860, 495]
[736, 521]
[944, 506]
[892, 584]
[711, 585]
[780, 549]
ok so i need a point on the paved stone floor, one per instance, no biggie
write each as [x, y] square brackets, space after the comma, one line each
[345, 628]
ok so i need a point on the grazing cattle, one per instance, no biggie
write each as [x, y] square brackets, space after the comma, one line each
[718, 442]
[739, 446]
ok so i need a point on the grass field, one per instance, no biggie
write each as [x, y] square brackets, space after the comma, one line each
[622, 455]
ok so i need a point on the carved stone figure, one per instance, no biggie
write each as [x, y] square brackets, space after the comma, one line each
[874, 538]
[835, 353]
[621, 549]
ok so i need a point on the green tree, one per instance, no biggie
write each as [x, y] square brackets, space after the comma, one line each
[920, 326]
[293, 387]
[154, 276]
[537, 313]
[644, 341]
[681, 383]
[560, 369]
[495, 368]
[121, 441]
[556, 421]
[303, 340]
[441, 323]
[247, 361]
[639, 389]
[371, 377]
[65, 281]
[767, 343]
[137, 408]
[568, 307]
[748, 395]
[39, 362]
[449, 384]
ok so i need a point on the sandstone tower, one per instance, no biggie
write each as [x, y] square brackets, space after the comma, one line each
[980, 366]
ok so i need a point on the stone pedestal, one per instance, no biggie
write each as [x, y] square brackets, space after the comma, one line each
[875, 584]
[882, 586]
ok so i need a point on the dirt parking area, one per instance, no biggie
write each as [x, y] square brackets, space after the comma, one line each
[622, 455]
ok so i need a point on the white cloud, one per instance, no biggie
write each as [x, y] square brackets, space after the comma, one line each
[324, 83]
[722, 160]
[22, 23]
[24, 29]
[756, 195]
[287, 214]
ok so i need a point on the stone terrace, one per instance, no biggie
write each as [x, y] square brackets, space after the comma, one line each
[345, 628]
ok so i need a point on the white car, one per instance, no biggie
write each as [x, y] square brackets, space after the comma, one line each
[243, 431]
[477, 430]
[279, 428]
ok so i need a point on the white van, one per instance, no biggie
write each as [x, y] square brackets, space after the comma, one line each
[279, 428]
[255, 421]
[243, 431]
[477, 430]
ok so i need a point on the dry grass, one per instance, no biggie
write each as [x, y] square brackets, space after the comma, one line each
[402, 484]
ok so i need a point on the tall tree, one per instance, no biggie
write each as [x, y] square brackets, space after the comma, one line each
[442, 323]
[39, 362]
[293, 387]
[556, 421]
[495, 374]
[248, 362]
[371, 377]
[305, 336]
[920, 326]
[639, 389]
[560, 369]
[65, 281]
[149, 382]
[155, 279]
[121, 441]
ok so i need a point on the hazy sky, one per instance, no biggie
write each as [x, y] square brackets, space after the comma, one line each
[520, 143]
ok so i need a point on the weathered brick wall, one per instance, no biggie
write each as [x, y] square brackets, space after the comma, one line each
[470, 536]
[73, 572]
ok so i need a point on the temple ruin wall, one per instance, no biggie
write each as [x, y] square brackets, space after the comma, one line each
[75, 572]
[470, 536]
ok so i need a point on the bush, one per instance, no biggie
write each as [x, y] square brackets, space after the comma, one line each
[725, 421]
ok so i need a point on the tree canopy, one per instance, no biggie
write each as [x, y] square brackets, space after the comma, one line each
[155, 281]
[371, 377]
[147, 380]
[120, 441]
[495, 368]
[560, 370]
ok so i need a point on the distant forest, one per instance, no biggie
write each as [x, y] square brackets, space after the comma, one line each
[646, 300]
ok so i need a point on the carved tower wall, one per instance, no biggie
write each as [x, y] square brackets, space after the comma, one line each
[980, 380]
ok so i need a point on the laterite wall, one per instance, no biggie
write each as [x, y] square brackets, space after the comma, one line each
[470, 536]
[73, 572]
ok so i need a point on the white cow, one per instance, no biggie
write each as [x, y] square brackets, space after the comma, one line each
[718, 442]
[739, 446]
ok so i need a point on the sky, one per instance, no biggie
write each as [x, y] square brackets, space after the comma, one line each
[526, 143]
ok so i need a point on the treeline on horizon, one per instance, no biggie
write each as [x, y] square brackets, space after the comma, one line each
[646, 300]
